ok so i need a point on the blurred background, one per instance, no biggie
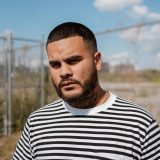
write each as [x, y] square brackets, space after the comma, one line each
[128, 35]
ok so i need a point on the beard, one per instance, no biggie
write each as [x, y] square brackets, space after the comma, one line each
[87, 98]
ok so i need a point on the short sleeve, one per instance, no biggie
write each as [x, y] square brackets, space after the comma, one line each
[151, 146]
[23, 149]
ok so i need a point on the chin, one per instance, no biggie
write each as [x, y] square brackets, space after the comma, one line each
[71, 95]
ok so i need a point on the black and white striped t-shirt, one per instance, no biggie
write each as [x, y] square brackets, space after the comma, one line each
[117, 130]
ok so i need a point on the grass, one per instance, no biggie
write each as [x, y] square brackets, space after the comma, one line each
[23, 104]
[8, 145]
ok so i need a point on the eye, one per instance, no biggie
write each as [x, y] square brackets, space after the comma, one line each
[55, 64]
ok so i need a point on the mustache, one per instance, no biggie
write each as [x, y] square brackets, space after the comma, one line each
[68, 80]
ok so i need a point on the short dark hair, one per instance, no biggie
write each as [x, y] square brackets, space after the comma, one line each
[71, 29]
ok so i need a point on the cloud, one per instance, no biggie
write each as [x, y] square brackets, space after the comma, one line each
[143, 12]
[147, 37]
[135, 8]
[154, 16]
[140, 10]
[114, 5]
[132, 35]
[158, 56]
[120, 58]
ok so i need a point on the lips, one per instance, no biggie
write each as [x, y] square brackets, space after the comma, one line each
[67, 83]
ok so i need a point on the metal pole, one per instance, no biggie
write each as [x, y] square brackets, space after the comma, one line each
[5, 114]
[26, 39]
[9, 94]
[5, 121]
[42, 74]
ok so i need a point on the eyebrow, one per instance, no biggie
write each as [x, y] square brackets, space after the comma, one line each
[75, 57]
[53, 61]
[67, 60]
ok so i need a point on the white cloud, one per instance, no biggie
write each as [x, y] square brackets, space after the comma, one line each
[140, 10]
[158, 56]
[146, 37]
[155, 29]
[131, 35]
[137, 9]
[120, 58]
[143, 12]
[154, 16]
[114, 5]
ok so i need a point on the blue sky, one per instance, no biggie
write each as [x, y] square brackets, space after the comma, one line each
[34, 18]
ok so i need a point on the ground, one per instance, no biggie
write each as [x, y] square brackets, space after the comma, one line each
[8, 145]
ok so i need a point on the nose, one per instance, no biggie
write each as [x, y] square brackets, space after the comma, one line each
[65, 71]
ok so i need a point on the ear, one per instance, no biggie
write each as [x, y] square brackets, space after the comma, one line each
[98, 60]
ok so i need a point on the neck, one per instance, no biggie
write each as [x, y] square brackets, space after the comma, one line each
[97, 97]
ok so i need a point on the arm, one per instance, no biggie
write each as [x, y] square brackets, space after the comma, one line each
[23, 149]
[151, 147]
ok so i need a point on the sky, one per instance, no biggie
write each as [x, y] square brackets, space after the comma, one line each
[139, 46]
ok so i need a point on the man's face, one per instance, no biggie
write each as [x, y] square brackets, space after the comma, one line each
[73, 68]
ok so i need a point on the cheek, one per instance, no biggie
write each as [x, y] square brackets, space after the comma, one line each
[82, 72]
[54, 76]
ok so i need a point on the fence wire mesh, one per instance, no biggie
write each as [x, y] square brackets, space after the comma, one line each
[131, 69]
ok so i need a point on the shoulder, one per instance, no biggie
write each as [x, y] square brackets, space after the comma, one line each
[129, 105]
[132, 111]
[48, 109]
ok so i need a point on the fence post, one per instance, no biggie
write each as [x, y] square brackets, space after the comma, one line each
[5, 120]
[8, 83]
[42, 74]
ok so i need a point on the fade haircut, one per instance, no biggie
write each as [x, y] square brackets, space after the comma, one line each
[71, 29]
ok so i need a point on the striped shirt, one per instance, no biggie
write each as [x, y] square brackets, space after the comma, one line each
[117, 130]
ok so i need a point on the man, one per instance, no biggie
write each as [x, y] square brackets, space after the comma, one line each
[87, 123]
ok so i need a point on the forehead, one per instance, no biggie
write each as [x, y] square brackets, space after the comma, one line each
[67, 46]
